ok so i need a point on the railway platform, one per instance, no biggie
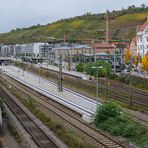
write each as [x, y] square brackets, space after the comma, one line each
[72, 73]
[79, 103]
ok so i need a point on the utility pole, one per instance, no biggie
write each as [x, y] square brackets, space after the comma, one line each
[69, 62]
[60, 87]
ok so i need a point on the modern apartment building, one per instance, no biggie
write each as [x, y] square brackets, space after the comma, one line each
[26, 50]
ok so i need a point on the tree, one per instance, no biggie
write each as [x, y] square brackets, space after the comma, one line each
[101, 72]
[127, 56]
[80, 67]
[145, 63]
[143, 6]
[137, 59]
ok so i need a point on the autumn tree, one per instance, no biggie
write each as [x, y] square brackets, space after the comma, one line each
[137, 59]
[145, 63]
[127, 56]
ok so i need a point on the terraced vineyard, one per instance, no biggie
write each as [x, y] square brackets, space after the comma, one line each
[123, 26]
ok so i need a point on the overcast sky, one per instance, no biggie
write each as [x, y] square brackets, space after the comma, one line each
[24, 13]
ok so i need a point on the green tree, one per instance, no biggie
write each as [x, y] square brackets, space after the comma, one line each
[101, 72]
[80, 67]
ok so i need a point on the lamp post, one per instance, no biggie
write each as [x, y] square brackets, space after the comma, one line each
[97, 83]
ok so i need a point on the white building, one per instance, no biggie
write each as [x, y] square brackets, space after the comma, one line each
[7, 51]
[142, 39]
[26, 50]
[35, 50]
[31, 49]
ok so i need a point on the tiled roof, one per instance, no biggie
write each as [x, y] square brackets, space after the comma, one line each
[142, 27]
[104, 45]
[121, 43]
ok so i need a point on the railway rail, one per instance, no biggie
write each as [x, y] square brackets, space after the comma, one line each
[139, 121]
[99, 138]
[41, 139]
[115, 90]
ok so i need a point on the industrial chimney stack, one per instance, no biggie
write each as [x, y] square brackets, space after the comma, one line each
[107, 29]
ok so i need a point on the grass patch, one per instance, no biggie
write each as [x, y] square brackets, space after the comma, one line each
[14, 132]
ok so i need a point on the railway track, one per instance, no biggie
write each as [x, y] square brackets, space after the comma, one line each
[100, 139]
[115, 90]
[41, 139]
[127, 96]
[139, 121]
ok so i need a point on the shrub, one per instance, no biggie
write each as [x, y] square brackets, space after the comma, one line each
[106, 111]
[110, 119]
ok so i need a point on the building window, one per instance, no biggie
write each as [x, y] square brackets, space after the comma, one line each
[140, 46]
[147, 46]
[147, 39]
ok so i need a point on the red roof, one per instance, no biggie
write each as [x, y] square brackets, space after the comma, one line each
[121, 43]
[142, 27]
[104, 45]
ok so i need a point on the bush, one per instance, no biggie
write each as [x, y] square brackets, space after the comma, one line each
[106, 111]
[110, 119]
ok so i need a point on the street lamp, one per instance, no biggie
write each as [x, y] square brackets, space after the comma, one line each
[97, 83]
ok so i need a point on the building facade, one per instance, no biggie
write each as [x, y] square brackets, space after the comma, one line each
[142, 38]
[26, 50]
[133, 47]
[7, 51]
[73, 52]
